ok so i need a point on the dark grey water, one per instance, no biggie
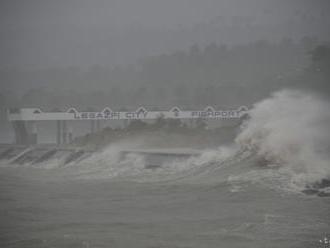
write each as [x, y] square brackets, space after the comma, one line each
[45, 208]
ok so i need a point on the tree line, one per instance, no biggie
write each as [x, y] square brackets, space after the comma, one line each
[212, 75]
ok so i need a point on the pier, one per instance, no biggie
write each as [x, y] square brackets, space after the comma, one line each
[24, 121]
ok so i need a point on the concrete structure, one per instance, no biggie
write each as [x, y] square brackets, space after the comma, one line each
[21, 119]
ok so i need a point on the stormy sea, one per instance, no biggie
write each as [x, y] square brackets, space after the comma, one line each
[269, 188]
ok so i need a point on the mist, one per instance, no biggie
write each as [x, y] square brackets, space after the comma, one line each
[84, 33]
[164, 123]
[125, 54]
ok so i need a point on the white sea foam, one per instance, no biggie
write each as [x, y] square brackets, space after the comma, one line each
[288, 133]
[291, 129]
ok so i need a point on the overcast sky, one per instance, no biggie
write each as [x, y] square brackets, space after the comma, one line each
[81, 32]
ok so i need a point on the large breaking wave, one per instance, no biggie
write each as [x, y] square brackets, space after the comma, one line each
[284, 143]
[290, 130]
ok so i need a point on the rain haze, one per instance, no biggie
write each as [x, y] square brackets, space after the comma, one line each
[74, 33]
[152, 123]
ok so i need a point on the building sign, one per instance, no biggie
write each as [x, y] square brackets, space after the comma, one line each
[140, 114]
[109, 116]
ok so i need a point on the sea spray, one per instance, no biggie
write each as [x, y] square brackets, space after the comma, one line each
[291, 129]
[288, 134]
[109, 163]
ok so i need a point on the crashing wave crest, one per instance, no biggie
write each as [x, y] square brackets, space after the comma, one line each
[289, 133]
[290, 130]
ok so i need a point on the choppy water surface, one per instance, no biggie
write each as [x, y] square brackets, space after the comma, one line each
[213, 205]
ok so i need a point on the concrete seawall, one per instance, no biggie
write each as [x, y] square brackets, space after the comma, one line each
[40, 155]
[17, 154]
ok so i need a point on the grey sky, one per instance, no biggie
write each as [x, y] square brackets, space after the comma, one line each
[81, 32]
